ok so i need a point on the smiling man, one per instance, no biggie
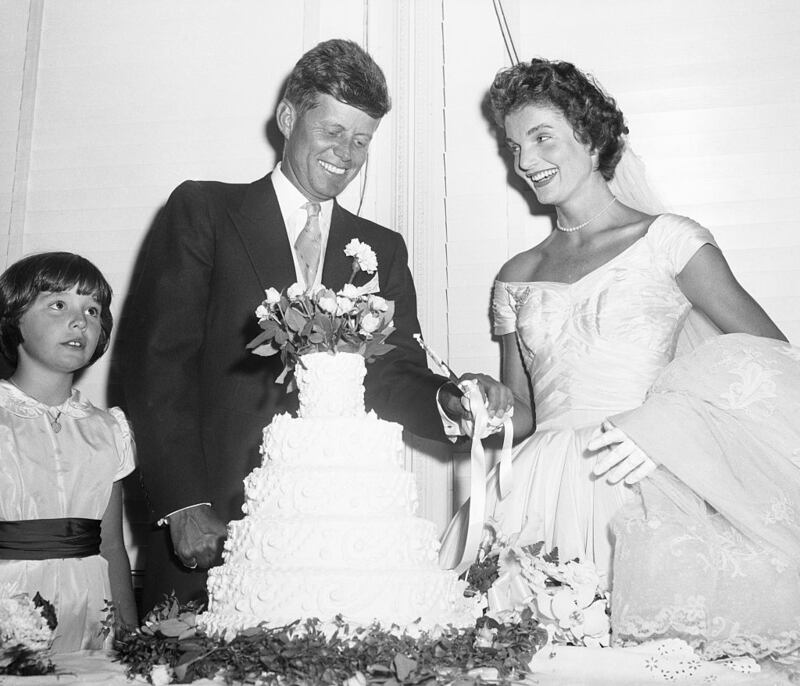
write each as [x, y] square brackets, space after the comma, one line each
[198, 399]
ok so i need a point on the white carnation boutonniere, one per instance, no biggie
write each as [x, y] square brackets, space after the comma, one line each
[364, 260]
[297, 321]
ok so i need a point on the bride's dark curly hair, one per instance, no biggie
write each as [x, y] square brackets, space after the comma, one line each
[592, 114]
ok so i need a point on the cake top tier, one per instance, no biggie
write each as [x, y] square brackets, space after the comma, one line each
[331, 385]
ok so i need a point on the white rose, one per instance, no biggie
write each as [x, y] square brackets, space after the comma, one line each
[583, 579]
[560, 605]
[378, 304]
[328, 303]
[295, 291]
[580, 574]
[484, 637]
[262, 312]
[344, 305]
[596, 627]
[371, 322]
[349, 291]
[273, 296]
[160, 675]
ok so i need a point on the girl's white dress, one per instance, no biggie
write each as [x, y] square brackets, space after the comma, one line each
[603, 347]
[45, 475]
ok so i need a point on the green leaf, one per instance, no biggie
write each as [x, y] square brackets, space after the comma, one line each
[282, 376]
[403, 666]
[265, 350]
[295, 319]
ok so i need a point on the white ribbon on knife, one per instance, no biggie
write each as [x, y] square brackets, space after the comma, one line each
[482, 426]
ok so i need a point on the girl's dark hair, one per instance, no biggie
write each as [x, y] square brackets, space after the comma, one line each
[592, 114]
[52, 272]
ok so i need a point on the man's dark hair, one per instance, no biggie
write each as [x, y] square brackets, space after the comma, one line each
[345, 71]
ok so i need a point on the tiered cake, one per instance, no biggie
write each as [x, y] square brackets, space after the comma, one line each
[330, 526]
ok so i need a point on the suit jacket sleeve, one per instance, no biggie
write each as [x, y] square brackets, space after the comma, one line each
[399, 385]
[167, 312]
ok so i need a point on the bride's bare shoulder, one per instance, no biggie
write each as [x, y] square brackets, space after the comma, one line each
[520, 267]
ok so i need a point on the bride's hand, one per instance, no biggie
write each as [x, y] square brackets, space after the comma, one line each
[497, 397]
[624, 459]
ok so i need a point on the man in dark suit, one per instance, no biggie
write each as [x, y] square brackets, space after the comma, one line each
[197, 398]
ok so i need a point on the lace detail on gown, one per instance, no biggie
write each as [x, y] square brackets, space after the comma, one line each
[710, 551]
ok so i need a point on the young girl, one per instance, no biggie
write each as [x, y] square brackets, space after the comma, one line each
[61, 458]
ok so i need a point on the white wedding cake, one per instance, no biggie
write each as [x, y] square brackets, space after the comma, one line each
[330, 525]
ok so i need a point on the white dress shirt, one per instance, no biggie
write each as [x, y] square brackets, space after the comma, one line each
[291, 202]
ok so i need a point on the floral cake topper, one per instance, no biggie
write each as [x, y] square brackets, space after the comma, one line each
[297, 322]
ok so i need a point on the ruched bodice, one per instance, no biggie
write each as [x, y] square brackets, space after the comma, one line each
[594, 347]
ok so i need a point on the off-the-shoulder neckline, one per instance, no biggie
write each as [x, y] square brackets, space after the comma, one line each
[597, 269]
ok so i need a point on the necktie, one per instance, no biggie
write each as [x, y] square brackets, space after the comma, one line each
[309, 244]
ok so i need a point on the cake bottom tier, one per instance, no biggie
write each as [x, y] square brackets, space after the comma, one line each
[409, 598]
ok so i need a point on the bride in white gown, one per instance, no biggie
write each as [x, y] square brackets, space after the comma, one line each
[589, 321]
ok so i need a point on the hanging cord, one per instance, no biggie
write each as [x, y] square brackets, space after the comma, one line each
[505, 31]
[362, 191]
[444, 176]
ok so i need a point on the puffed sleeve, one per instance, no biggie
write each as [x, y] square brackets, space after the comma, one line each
[678, 239]
[123, 439]
[504, 314]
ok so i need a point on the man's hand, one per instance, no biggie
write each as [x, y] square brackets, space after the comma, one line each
[625, 460]
[497, 398]
[197, 536]
[459, 403]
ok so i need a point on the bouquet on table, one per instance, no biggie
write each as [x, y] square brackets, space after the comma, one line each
[521, 582]
[297, 322]
[26, 631]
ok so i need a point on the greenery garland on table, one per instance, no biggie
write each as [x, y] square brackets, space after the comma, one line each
[169, 648]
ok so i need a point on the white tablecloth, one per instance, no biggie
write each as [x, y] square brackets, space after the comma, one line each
[658, 662]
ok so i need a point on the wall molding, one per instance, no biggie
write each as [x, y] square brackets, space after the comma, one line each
[22, 155]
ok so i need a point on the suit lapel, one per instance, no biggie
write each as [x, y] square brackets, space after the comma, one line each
[260, 226]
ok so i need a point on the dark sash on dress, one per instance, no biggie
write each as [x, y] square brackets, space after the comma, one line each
[47, 539]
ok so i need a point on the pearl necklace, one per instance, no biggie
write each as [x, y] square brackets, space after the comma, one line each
[570, 229]
[55, 424]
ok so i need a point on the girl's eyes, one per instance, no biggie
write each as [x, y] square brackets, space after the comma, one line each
[91, 310]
